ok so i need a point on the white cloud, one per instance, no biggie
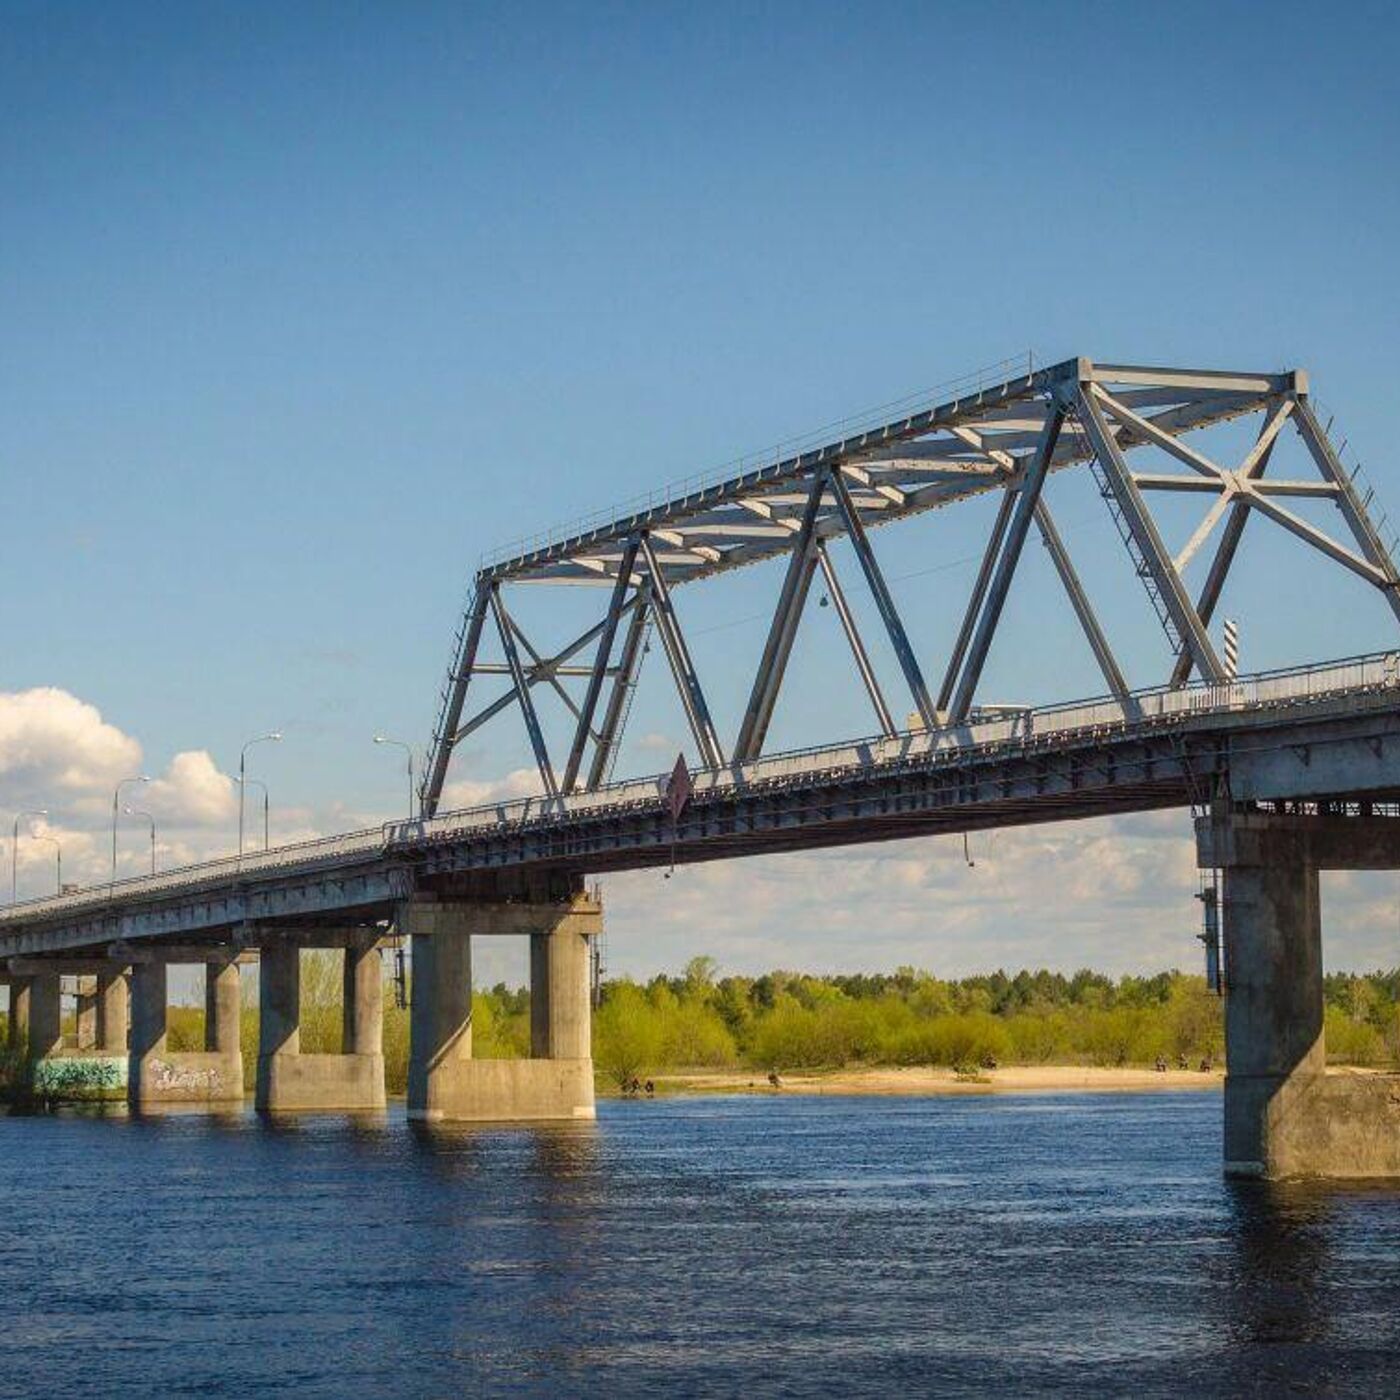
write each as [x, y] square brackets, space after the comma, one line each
[477, 792]
[52, 742]
[194, 792]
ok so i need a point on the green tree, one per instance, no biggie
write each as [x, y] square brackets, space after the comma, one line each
[627, 1034]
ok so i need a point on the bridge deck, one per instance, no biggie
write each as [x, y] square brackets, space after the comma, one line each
[1164, 748]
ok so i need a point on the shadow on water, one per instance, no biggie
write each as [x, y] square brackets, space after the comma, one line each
[1294, 1243]
[1282, 1242]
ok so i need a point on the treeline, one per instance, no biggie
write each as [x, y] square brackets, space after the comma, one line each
[789, 1020]
[795, 1021]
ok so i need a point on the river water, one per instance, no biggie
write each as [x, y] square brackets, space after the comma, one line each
[766, 1246]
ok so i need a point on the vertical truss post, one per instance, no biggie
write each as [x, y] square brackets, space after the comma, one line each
[600, 663]
[1079, 600]
[797, 582]
[522, 691]
[848, 625]
[445, 739]
[889, 614]
[697, 712]
[627, 667]
[1156, 560]
[1353, 509]
[1230, 538]
[1016, 530]
[979, 593]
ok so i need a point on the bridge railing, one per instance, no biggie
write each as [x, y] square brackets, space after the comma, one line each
[1011, 727]
[1014, 725]
[319, 850]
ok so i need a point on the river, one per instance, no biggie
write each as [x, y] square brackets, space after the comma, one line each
[765, 1246]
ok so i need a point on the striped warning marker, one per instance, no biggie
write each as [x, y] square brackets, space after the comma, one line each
[1232, 648]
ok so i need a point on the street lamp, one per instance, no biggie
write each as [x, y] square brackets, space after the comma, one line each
[137, 812]
[14, 850]
[258, 783]
[116, 808]
[408, 749]
[58, 857]
[275, 737]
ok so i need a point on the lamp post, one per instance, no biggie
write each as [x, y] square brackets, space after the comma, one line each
[137, 812]
[14, 850]
[275, 737]
[408, 749]
[116, 808]
[58, 857]
[258, 783]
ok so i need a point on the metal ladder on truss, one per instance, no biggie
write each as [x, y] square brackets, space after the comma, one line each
[1120, 522]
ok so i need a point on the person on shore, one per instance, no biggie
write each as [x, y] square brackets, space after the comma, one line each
[1161, 1064]
[773, 1080]
[651, 1089]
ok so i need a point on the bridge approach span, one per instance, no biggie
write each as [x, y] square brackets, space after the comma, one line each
[1318, 733]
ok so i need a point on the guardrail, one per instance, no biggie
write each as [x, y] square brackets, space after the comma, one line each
[1146, 709]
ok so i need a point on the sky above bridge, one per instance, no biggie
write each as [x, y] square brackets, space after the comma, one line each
[307, 307]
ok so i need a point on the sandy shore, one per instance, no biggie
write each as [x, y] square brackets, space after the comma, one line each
[1014, 1079]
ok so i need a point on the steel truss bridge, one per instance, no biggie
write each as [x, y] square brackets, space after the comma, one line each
[1323, 733]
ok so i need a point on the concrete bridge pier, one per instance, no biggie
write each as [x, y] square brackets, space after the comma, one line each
[1285, 1114]
[157, 1075]
[446, 1084]
[289, 1080]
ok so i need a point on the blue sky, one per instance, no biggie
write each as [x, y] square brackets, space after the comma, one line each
[303, 308]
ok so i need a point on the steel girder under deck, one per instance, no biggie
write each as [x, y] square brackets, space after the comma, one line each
[1007, 435]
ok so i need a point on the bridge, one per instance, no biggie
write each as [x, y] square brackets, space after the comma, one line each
[1286, 772]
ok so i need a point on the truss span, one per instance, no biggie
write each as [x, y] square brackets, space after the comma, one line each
[1002, 435]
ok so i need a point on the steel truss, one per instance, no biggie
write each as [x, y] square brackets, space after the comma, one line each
[1008, 437]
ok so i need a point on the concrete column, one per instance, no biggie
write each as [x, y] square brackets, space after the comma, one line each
[45, 1025]
[87, 1013]
[441, 1016]
[279, 1014]
[223, 1008]
[113, 1013]
[362, 1002]
[149, 986]
[21, 989]
[1273, 1013]
[561, 1008]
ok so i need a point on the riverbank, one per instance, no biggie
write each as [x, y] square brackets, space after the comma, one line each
[918, 1081]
